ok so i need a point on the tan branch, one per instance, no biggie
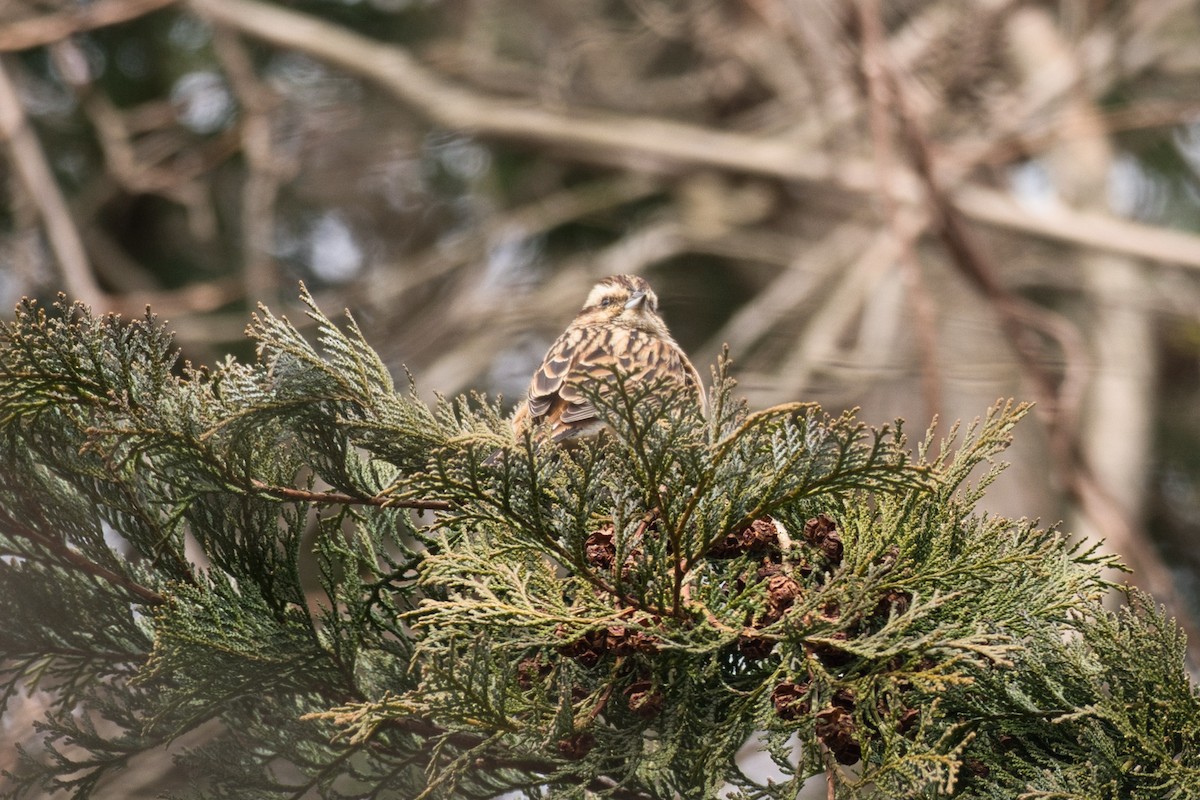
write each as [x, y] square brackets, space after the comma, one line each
[825, 326]
[783, 296]
[267, 169]
[879, 99]
[31, 167]
[50, 28]
[665, 144]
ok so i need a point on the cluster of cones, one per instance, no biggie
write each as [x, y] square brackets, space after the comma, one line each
[785, 572]
[787, 575]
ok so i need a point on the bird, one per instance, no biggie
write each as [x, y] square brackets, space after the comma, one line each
[618, 328]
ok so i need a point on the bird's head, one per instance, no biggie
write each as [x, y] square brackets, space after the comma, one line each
[625, 300]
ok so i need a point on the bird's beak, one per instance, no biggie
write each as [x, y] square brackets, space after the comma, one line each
[636, 300]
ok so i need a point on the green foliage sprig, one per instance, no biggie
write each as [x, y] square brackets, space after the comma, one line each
[233, 551]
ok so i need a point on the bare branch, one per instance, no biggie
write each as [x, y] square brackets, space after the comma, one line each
[879, 90]
[29, 163]
[38, 31]
[647, 141]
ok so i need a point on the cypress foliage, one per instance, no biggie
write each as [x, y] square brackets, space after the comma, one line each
[485, 616]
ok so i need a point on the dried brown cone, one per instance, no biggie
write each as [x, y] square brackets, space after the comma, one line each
[759, 536]
[644, 699]
[791, 700]
[782, 592]
[892, 600]
[818, 527]
[767, 568]
[826, 613]
[531, 670]
[835, 728]
[755, 648]
[888, 557]
[822, 533]
[599, 549]
[623, 641]
[587, 649]
[577, 745]
[844, 699]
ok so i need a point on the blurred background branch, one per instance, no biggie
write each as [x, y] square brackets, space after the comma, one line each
[913, 207]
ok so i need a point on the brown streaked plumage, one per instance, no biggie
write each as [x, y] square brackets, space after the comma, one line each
[618, 327]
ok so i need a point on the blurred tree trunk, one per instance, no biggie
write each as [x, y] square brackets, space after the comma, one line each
[1115, 430]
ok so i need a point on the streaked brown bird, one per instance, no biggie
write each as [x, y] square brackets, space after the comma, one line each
[617, 328]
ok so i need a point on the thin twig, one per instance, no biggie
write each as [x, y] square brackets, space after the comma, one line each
[267, 170]
[435, 734]
[822, 329]
[1143, 115]
[79, 560]
[339, 498]
[31, 166]
[830, 774]
[1105, 482]
[139, 168]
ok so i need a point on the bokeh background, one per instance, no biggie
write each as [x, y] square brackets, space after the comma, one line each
[913, 207]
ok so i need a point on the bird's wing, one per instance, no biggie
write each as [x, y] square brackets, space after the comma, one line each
[550, 377]
[554, 388]
[588, 356]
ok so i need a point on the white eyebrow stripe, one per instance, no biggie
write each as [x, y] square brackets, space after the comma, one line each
[598, 293]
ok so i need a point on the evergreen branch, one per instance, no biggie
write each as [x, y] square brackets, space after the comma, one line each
[80, 561]
[616, 618]
[629, 601]
[361, 722]
[329, 770]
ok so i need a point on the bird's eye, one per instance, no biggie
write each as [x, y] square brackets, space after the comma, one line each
[607, 302]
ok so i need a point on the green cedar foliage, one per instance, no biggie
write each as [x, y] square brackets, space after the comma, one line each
[354, 594]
